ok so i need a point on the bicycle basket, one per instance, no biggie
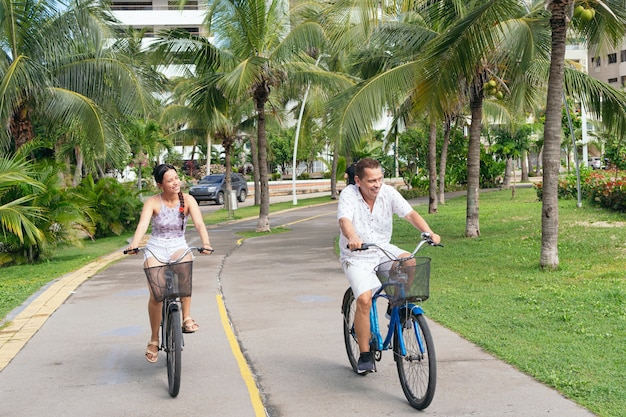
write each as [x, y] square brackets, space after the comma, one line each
[403, 283]
[178, 286]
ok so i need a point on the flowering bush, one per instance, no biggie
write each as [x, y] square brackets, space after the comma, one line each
[603, 188]
[608, 190]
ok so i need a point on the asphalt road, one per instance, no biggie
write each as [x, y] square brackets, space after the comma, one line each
[270, 343]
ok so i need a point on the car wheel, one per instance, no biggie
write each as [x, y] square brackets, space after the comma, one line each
[242, 196]
[220, 198]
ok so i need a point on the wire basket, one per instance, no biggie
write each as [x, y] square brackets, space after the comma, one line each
[404, 283]
[170, 281]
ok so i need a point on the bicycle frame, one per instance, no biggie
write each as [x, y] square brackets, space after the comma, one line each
[394, 325]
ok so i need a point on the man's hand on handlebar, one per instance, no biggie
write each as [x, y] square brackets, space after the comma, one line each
[432, 238]
[355, 243]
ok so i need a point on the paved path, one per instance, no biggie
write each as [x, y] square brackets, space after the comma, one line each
[270, 343]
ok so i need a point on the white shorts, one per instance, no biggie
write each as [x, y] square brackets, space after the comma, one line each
[360, 270]
[165, 249]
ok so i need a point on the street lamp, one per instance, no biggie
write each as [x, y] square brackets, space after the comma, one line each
[295, 144]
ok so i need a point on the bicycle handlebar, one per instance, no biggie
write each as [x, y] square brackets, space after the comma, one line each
[425, 239]
[187, 251]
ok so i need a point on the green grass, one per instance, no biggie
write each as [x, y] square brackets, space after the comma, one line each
[19, 282]
[566, 328]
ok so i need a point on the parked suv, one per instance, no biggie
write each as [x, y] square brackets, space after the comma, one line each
[594, 162]
[212, 188]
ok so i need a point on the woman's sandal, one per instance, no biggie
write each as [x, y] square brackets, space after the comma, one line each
[151, 356]
[190, 325]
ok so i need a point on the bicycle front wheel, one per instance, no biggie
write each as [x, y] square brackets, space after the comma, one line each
[417, 369]
[348, 308]
[173, 347]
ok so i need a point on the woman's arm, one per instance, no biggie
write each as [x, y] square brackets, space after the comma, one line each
[144, 222]
[198, 221]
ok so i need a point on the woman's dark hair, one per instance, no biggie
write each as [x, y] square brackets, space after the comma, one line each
[159, 171]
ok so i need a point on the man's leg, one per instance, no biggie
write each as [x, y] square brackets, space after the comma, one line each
[362, 320]
[363, 333]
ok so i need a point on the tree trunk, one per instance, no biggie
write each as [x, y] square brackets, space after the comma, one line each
[209, 145]
[227, 144]
[552, 138]
[472, 228]
[507, 172]
[21, 127]
[524, 160]
[261, 95]
[539, 158]
[255, 172]
[333, 174]
[78, 171]
[432, 168]
[444, 161]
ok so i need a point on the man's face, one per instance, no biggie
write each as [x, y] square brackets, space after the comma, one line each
[370, 183]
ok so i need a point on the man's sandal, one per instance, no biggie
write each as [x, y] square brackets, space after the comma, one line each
[190, 325]
[152, 356]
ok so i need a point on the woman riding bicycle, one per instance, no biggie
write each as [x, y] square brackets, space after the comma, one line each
[365, 214]
[169, 211]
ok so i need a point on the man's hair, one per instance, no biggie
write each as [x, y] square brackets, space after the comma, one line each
[365, 163]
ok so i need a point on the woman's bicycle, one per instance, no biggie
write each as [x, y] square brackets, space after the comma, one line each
[405, 283]
[168, 283]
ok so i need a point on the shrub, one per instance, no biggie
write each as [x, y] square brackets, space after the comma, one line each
[116, 205]
[601, 188]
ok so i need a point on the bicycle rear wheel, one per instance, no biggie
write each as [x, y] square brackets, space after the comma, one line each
[348, 308]
[173, 347]
[417, 370]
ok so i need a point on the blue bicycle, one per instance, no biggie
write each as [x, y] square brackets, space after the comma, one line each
[405, 283]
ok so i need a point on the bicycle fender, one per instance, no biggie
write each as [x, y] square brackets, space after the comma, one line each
[415, 309]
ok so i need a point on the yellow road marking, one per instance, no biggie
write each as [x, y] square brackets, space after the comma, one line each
[244, 369]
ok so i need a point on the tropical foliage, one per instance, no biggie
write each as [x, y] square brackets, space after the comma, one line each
[605, 189]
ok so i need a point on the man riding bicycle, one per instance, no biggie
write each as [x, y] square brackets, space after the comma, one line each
[365, 214]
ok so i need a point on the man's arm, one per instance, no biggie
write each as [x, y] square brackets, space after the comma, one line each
[420, 224]
[347, 229]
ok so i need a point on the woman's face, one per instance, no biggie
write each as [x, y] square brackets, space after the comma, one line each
[171, 182]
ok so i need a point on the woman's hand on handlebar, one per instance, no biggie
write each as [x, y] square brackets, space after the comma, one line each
[206, 250]
[131, 251]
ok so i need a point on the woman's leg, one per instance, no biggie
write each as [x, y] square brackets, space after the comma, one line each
[154, 313]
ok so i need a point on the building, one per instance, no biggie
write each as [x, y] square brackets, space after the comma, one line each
[610, 66]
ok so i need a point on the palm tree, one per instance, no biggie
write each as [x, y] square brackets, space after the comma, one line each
[146, 140]
[56, 70]
[255, 50]
[611, 24]
[458, 39]
[17, 216]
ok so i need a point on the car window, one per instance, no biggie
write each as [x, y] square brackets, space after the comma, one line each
[211, 179]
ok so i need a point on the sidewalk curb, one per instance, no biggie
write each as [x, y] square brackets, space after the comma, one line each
[34, 315]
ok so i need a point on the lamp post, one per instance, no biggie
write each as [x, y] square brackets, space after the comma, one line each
[295, 143]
